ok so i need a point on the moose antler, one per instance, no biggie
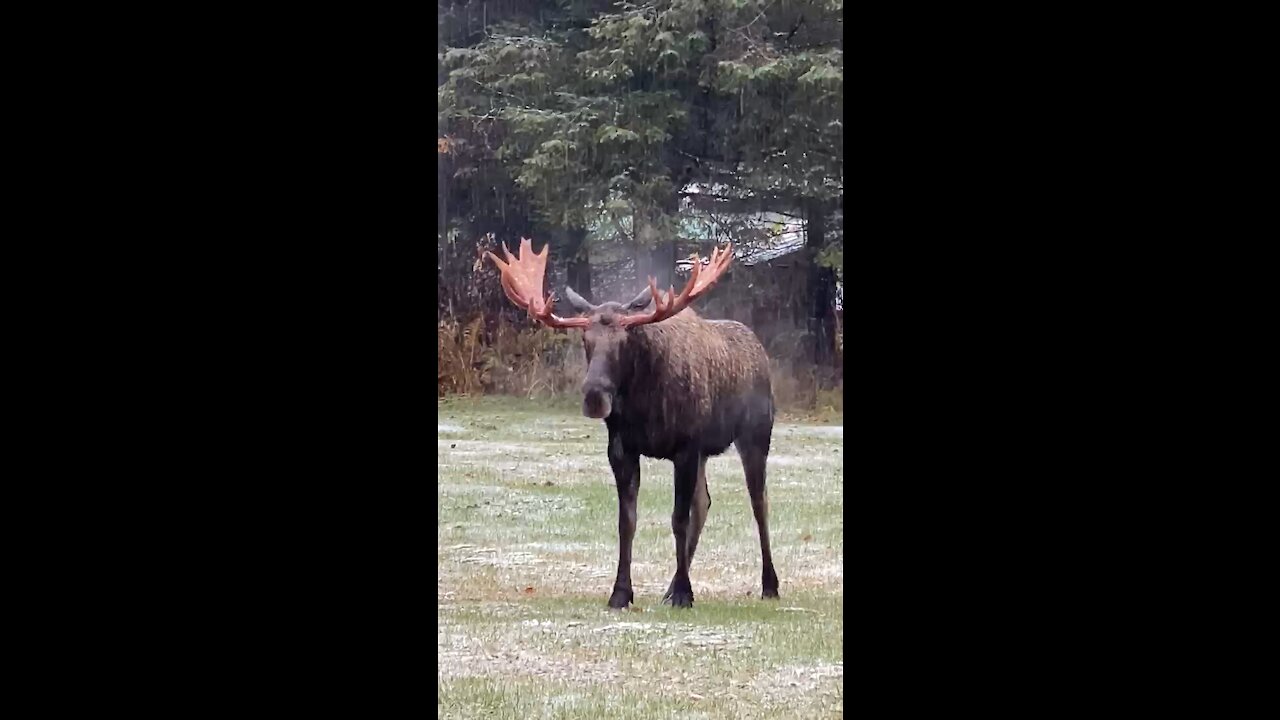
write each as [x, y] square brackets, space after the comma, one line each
[698, 283]
[522, 280]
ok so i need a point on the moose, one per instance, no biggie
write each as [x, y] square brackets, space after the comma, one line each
[668, 384]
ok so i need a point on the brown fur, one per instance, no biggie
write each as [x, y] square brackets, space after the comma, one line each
[682, 389]
[688, 380]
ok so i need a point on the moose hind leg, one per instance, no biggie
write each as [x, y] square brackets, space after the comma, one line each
[755, 455]
[697, 515]
[686, 478]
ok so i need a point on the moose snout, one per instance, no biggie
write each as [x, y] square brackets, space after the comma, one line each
[597, 400]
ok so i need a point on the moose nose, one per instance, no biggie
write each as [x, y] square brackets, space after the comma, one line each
[597, 400]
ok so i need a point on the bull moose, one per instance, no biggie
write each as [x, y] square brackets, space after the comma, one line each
[668, 384]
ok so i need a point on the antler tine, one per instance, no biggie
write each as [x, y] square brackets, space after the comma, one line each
[505, 276]
[699, 282]
[522, 276]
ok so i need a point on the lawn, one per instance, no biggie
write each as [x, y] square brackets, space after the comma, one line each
[526, 554]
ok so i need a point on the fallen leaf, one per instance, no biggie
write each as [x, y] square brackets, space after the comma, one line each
[807, 537]
[528, 590]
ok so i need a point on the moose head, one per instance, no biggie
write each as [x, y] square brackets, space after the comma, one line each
[606, 326]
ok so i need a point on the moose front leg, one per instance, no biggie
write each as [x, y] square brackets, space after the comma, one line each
[686, 480]
[626, 473]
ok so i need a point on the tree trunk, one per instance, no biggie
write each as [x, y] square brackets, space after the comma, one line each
[442, 205]
[655, 256]
[662, 261]
[578, 263]
[443, 291]
[820, 290]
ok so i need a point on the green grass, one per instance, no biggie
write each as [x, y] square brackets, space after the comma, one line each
[526, 553]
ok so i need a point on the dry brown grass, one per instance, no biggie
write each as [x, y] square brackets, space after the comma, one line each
[538, 362]
[506, 359]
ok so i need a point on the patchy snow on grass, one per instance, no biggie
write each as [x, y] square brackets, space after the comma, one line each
[462, 655]
[813, 431]
[527, 553]
[567, 547]
[708, 639]
[788, 683]
[490, 502]
[633, 627]
[803, 461]
[494, 451]
[824, 430]
[496, 558]
[458, 489]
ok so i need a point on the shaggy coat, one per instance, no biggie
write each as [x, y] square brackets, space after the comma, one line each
[691, 382]
[669, 385]
[683, 390]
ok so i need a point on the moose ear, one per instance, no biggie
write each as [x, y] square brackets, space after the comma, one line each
[642, 300]
[577, 301]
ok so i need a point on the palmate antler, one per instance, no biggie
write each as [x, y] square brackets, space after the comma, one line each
[522, 280]
[699, 282]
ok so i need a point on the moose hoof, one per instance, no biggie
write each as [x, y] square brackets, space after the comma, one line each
[621, 598]
[680, 598]
[769, 584]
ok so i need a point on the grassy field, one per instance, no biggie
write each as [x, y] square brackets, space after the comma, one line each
[526, 553]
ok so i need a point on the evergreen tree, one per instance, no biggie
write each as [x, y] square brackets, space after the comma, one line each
[595, 114]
